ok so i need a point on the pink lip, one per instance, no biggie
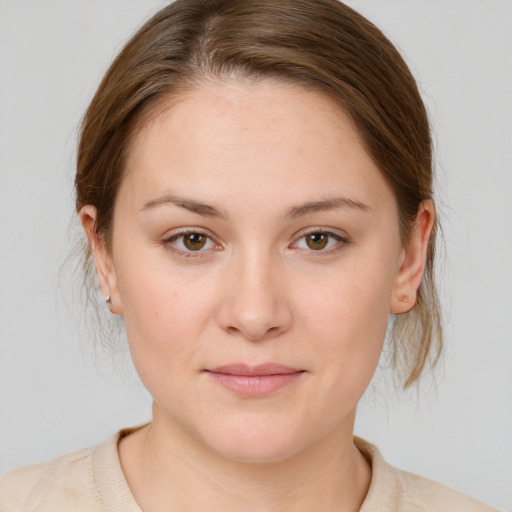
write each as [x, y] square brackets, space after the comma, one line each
[254, 381]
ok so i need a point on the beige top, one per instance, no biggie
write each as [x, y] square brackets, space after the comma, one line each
[91, 480]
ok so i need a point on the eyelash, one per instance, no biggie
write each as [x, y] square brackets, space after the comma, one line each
[341, 241]
[169, 242]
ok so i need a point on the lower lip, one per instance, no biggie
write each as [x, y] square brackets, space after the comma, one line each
[255, 385]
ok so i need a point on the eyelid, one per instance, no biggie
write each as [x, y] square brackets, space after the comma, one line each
[168, 240]
[342, 239]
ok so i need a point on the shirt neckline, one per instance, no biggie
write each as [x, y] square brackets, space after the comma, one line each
[115, 493]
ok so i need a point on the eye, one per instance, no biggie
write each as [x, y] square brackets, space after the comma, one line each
[194, 241]
[190, 241]
[320, 241]
[317, 241]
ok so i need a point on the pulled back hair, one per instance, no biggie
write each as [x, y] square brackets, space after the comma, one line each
[322, 45]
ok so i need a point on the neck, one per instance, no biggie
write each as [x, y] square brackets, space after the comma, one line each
[167, 468]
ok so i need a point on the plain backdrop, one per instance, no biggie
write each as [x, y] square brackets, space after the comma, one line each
[57, 396]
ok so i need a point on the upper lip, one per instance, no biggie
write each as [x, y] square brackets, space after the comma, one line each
[262, 369]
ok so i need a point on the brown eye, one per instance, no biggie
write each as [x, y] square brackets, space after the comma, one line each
[191, 243]
[321, 242]
[317, 241]
[194, 241]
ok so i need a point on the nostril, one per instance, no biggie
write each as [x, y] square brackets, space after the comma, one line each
[255, 332]
[254, 306]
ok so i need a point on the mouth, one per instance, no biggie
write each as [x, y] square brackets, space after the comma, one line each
[255, 381]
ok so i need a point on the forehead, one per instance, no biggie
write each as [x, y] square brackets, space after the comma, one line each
[235, 138]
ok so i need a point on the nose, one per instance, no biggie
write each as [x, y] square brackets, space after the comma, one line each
[255, 303]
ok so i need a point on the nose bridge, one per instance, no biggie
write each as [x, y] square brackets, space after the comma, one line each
[255, 304]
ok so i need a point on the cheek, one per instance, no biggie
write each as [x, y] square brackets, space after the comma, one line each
[165, 313]
[353, 298]
[349, 318]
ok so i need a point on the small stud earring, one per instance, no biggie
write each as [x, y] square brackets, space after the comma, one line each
[110, 301]
[404, 298]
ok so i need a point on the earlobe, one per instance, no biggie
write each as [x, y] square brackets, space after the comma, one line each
[413, 262]
[102, 259]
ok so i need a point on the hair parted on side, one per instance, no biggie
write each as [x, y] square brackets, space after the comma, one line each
[323, 45]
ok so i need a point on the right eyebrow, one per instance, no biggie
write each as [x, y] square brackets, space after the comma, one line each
[204, 209]
[208, 210]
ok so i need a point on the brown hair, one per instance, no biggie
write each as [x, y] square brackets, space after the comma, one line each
[319, 44]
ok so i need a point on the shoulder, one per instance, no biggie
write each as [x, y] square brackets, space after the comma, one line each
[66, 483]
[422, 494]
[392, 489]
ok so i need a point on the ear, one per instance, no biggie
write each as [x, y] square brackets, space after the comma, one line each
[413, 261]
[102, 259]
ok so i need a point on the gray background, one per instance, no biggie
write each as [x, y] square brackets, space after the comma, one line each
[57, 394]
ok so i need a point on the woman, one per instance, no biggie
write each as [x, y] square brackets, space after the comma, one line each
[255, 182]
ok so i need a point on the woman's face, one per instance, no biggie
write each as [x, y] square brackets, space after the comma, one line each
[255, 257]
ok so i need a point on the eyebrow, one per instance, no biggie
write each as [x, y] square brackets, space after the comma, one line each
[326, 205]
[204, 209]
[208, 210]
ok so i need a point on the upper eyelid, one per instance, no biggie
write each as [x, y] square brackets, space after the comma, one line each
[185, 231]
[296, 237]
[326, 231]
[201, 253]
[341, 241]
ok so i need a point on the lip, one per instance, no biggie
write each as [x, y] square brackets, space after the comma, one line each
[254, 381]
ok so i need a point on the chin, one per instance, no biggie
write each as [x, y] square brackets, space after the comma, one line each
[255, 442]
[263, 452]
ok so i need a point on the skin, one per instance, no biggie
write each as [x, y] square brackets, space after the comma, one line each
[255, 293]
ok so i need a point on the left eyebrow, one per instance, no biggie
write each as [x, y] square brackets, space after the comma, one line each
[326, 205]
